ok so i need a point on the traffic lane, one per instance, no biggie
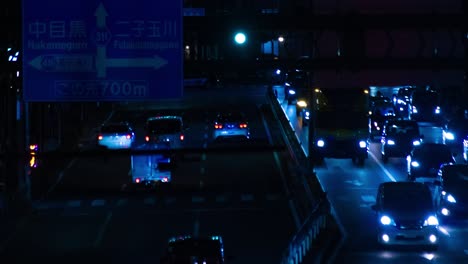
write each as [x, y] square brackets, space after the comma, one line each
[93, 173]
[351, 195]
[252, 234]
[351, 198]
[56, 236]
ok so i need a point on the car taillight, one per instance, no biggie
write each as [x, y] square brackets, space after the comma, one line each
[146, 138]
[137, 180]
[129, 136]
[243, 125]
[165, 179]
[181, 136]
[100, 137]
[218, 126]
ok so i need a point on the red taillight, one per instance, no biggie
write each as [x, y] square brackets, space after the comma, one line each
[218, 126]
[146, 138]
[100, 137]
[129, 136]
[182, 137]
[165, 179]
[243, 125]
[137, 180]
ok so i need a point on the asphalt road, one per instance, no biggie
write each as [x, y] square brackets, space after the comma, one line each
[352, 191]
[91, 214]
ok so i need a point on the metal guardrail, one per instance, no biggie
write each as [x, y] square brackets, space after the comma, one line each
[320, 211]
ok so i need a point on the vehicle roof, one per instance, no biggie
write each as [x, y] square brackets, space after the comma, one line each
[164, 117]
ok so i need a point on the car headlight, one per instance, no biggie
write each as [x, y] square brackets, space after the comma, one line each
[437, 110]
[390, 142]
[450, 198]
[292, 92]
[302, 103]
[449, 136]
[362, 144]
[415, 164]
[416, 143]
[320, 143]
[431, 220]
[415, 110]
[385, 220]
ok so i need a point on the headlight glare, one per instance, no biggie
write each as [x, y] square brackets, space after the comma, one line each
[320, 143]
[362, 144]
[449, 136]
[416, 143]
[451, 199]
[302, 103]
[390, 142]
[415, 164]
[292, 92]
[385, 220]
[431, 220]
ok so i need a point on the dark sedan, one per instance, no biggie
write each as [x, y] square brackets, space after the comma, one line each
[425, 160]
[398, 138]
[451, 190]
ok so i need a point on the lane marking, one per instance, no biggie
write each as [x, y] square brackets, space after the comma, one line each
[220, 198]
[149, 201]
[387, 173]
[444, 231]
[169, 200]
[98, 202]
[102, 230]
[198, 199]
[245, 197]
[368, 198]
[122, 202]
[74, 203]
[203, 157]
[196, 225]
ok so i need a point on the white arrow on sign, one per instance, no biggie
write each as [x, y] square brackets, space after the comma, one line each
[64, 63]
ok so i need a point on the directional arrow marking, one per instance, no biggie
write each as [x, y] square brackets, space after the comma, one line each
[156, 62]
[101, 15]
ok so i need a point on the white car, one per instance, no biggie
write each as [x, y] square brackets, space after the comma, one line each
[231, 125]
[116, 136]
[406, 215]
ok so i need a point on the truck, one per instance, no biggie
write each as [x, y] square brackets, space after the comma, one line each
[151, 168]
[339, 119]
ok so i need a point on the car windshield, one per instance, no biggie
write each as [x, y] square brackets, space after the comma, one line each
[433, 153]
[232, 117]
[164, 126]
[403, 130]
[407, 199]
[342, 120]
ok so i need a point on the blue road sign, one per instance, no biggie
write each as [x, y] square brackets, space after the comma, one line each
[102, 50]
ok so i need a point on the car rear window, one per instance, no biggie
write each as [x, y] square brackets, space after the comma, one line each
[115, 129]
[164, 126]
